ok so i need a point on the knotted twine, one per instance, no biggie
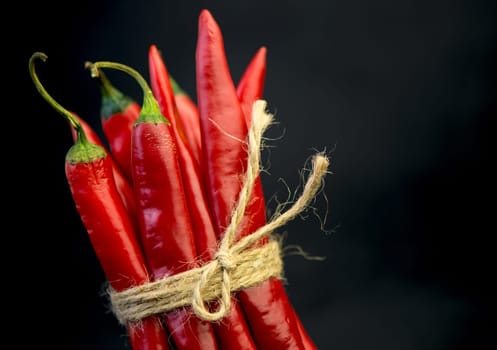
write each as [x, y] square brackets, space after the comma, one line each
[236, 265]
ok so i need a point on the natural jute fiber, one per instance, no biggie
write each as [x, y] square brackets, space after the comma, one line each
[237, 265]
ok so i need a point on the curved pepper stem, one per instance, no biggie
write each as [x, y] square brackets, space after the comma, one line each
[64, 112]
[150, 111]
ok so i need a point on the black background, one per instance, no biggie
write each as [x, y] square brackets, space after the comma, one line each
[401, 94]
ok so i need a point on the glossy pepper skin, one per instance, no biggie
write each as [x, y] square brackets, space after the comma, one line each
[165, 224]
[304, 335]
[111, 233]
[222, 122]
[204, 234]
[224, 132]
[123, 185]
[90, 175]
[223, 128]
[165, 220]
[251, 85]
[232, 332]
[249, 89]
[118, 113]
[188, 113]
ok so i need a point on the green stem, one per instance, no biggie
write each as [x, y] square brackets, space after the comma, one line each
[64, 112]
[113, 100]
[150, 111]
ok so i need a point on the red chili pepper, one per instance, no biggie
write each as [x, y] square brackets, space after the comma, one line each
[222, 123]
[232, 331]
[122, 183]
[166, 100]
[224, 132]
[118, 113]
[166, 227]
[89, 173]
[250, 88]
[205, 236]
[188, 113]
[251, 85]
[306, 339]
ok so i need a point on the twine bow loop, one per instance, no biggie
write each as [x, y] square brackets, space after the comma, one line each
[222, 264]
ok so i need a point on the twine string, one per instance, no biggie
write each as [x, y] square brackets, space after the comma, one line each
[261, 121]
[236, 265]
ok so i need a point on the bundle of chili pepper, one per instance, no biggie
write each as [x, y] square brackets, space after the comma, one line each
[166, 188]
